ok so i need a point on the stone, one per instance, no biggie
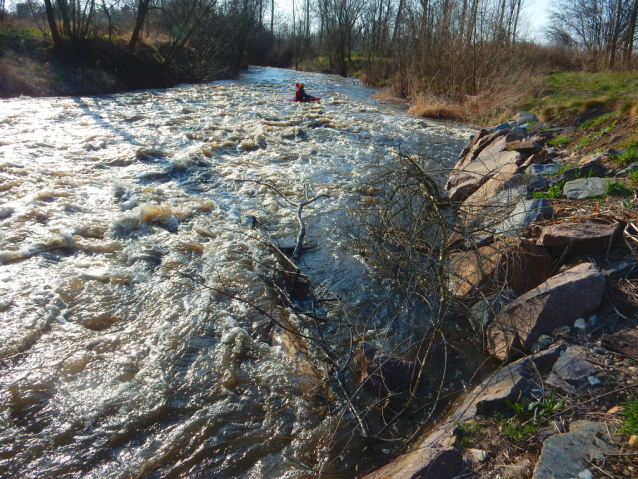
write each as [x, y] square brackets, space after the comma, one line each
[537, 158]
[526, 212]
[591, 169]
[588, 237]
[625, 268]
[526, 147]
[489, 205]
[463, 190]
[544, 342]
[593, 381]
[506, 384]
[625, 342]
[515, 263]
[478, 455]
[633, 441]
[524, 117]
[501, 126]
[626, 171]
[543, 170]
[499, 145]
[581, 324]
[484, 311]
[565, 455]
[572, 369]
[585, 475]
[586, 188]
[557, 302]
[429, 461]
[615, 410]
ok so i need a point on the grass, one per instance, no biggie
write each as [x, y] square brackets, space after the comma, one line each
[552, 193]
[568, 93]
[559, 141]
[618, 188]
[630, 424]
[633, 178]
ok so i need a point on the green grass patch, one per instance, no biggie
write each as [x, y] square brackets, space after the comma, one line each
[629, 156]
[517, 432]
[567, 93]
[596, 121]
[559, 141]
[633, 178]
[630, 425]
[552, 193]
[468, 433]
[618, 188]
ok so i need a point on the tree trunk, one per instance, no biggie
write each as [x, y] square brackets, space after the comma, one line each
[55, 34]
[615, 34]
[142, 11]
[631, 32]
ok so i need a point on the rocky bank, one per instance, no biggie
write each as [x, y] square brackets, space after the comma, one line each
[548, 267]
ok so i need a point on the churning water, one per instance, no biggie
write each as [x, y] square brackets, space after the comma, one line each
[112, 364]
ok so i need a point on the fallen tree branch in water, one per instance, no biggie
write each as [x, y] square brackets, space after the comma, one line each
[296, 255]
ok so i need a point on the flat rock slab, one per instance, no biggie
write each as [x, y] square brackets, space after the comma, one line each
[542, 170]
[506, 384]
[587, 237]
[565, 456]
[430, 461]
[559, 301]
[572, 369]
[586, 188]
[624, 342]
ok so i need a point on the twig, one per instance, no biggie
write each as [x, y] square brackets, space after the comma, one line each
[601, 470]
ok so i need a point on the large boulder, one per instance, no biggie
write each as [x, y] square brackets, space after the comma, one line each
[588, 237]
[515, 263]
[557, 302]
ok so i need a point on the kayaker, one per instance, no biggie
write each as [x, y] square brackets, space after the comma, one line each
[300, 94]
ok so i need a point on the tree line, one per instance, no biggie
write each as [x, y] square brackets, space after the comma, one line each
[450, 47]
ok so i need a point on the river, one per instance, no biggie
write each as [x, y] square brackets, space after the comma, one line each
[115, 365]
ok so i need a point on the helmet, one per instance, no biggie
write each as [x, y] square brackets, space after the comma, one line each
[301, 85]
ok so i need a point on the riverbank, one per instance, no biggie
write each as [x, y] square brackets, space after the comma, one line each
[30, 66]
[548, 270]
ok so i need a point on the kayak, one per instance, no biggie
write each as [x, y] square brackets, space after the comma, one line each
[312, 98]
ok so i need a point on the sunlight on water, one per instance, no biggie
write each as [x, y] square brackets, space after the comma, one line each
[113, 365]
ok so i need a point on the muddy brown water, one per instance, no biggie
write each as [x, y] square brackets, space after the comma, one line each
[112, 364]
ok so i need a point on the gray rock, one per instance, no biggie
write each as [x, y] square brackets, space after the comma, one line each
[580, 324]
[520, 130]
[572, 369]
[507, 384]
[592, 169]
[624, 268]
[565, 456]
[544, 342]
[524, 117]
[559, 301]
[478, 455]
[571, 239]
[593, 381]
[502, 126]
[537, 183]
[586, 188]
[542, 170]
[525, 212]
[626, 171]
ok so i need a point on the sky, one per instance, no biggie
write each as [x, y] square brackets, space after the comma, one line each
[538, 14]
